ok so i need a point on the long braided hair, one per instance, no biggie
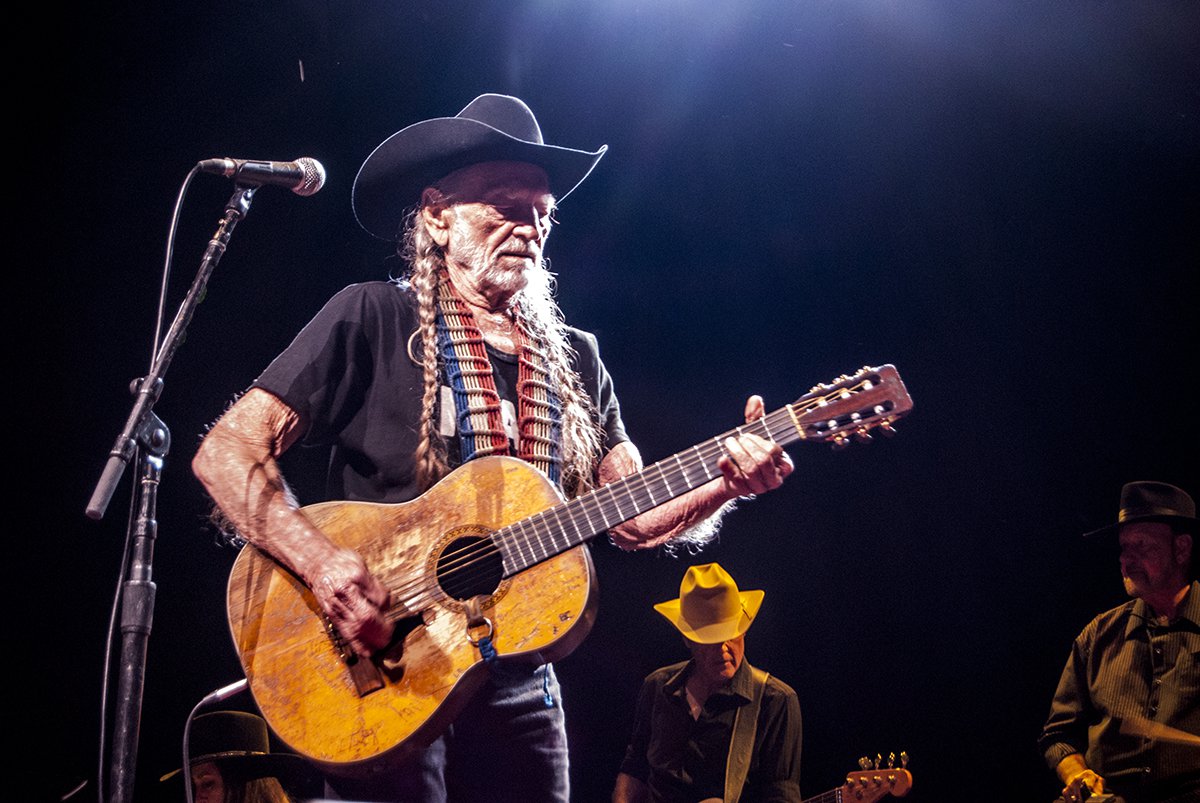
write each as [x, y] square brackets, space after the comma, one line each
[543, 323]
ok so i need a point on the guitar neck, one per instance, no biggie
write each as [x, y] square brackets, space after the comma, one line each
[828, 413]
[562, 527]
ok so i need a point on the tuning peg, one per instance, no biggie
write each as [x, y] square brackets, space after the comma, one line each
[887, 429]
[891, 761]
[864, 763]
[840, 441]
[903, 758]
[863, 435]
[878, 760]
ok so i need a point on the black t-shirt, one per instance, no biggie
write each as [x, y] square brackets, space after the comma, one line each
[348, 372]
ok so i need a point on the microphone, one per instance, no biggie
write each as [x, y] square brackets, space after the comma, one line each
[304, 176]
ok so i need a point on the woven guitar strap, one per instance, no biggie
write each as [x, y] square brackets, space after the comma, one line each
[741, 741]
[468, 373]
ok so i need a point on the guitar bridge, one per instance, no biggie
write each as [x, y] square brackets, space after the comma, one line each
[365, 674]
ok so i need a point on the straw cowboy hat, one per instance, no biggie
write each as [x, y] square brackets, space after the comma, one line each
[710, 609]
[1151, 501]
[238, 741]
[491, 128]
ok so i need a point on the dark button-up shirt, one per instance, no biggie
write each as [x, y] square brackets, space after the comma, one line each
[682, 759]
[1125, 671]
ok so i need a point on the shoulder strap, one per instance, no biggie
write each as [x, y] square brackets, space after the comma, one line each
[741, 742]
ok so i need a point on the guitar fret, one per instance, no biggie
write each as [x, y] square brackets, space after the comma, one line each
[546, 542]
[558, 528]
[626, 495]
[531, 541]
[586, 503]
[602, 507]
[522, 545]
[503, 538]
[580, 535]
[649, 492]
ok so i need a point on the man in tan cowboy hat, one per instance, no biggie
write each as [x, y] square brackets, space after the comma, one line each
[712, 727]
[465, 356]
[1126, 716]
[231, 761]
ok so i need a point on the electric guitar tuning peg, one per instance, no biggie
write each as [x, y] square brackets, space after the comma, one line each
[903, 758]
[891, 761]
[878, 760]
[864, 763]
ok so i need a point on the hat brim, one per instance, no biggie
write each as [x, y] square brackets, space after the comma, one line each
[714, 632]
[292, 772]
[1117, 525]
[391, 179]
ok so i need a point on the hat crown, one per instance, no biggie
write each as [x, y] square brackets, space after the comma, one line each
[1143, 499]
[506, 114]
[227, 733]
[707, 595]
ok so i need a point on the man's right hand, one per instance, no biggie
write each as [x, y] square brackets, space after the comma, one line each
[355, 602]
[1080, 782]
[1083, 786]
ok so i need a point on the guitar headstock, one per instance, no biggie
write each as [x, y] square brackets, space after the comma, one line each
[874, 780]
[851, 406]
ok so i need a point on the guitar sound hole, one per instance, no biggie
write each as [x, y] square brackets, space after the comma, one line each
[470, 567]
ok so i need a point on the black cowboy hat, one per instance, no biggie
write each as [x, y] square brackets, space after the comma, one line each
[1151, 501]
[491, 128]
[239, 741]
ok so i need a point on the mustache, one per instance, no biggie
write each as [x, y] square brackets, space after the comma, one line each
[518, 247]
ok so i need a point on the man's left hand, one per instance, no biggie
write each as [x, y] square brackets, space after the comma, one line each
[752, 464]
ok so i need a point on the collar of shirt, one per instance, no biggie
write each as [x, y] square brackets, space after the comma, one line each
[1188, 617]
[740, 685]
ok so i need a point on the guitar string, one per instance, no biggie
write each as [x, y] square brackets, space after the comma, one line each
[471, 558]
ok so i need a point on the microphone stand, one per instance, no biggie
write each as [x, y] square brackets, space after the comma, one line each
[145, 433]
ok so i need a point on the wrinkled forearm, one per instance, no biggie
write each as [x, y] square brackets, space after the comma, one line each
[698, 509]
[237, 463]
[694, 516]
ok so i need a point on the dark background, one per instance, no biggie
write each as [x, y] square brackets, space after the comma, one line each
[999, 198]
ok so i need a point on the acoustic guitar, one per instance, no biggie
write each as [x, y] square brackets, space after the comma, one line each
[489, 564]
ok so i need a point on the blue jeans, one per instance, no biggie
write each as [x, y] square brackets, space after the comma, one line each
[507, 746]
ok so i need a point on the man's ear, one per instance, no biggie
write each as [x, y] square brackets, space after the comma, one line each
[435, 216]
[1183, 549]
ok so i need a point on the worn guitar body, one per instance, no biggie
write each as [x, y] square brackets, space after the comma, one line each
[300, 679]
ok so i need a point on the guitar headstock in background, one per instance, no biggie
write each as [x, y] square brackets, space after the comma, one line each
[873, 781]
